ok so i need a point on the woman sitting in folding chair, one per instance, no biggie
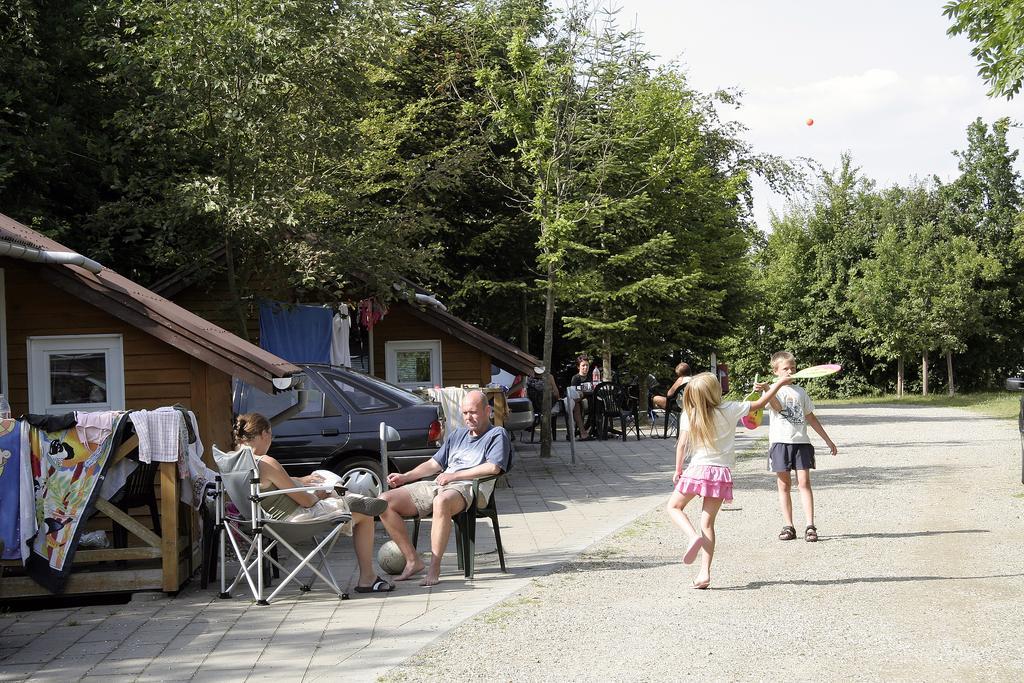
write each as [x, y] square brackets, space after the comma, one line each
[253, 430]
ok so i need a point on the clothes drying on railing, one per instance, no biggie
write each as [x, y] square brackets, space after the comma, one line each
[50, 477]
[450, 399]
[17, 503]
[67, 476]
[296, 333]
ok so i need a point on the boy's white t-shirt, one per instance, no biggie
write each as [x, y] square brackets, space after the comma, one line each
[723, 451]
[790, 424]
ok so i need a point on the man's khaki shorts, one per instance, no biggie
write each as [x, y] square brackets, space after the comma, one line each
[424, 492]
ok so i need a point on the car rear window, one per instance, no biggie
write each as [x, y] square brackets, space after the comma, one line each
[360, 398]
[255, 401]
[383, 389]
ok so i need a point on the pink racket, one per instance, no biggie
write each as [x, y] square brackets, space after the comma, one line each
[753, 420]
[817, 371]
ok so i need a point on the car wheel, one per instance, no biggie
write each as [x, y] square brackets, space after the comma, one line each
[362, 476]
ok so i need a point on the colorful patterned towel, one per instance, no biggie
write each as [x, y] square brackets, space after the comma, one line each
[16, 508]
[68, 477]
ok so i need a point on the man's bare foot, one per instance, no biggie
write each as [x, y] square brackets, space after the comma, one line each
[430, 580]
[411, 570]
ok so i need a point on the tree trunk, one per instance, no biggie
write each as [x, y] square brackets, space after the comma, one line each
[606, 360]
[236, 300]
[524, 332]
[924, 373]
[899, 377]
[549, 337]
[949, 371]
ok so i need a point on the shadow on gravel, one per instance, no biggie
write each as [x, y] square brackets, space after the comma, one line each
[756, 585]
[904, 534]
[836, 417]
[846, 477]
[906, 444]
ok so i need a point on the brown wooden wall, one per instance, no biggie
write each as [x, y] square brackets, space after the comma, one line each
[211, 301]
[460, 362]
[156, 374]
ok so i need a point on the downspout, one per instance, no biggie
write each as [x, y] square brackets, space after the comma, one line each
[297, 384]
[24, 253]
[430, 300]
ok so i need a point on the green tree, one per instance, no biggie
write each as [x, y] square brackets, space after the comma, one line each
[983, 204]
[53, 165]
[996, 27]
[251, 124]
[541, 101]
[667, 269]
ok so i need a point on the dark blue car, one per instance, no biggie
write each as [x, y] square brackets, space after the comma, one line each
[339, 427]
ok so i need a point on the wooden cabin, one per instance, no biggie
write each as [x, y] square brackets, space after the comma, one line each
[444, 349]
[140, 351]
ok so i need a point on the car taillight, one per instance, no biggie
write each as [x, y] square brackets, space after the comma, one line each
[434, 432]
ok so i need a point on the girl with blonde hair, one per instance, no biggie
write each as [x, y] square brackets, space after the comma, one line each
[707, 434]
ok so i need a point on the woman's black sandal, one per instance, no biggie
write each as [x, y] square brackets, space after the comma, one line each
[379, 585]
[788, 533]
[811, 534]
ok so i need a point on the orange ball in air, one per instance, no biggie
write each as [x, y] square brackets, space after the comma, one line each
[810, 122]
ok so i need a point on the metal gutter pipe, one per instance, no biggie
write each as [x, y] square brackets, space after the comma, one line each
[24, 253]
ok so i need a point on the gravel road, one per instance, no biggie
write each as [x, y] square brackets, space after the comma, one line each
[919, 575]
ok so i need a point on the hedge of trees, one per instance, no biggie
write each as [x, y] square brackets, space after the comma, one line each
[883, 279]
[533, 166]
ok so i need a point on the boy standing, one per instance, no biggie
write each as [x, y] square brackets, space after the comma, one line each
[789, 413]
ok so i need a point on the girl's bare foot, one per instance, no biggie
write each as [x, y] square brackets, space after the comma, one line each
[411, 570]
[702, 582]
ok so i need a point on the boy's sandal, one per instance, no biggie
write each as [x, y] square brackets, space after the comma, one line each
[788, 533]
[811, 534]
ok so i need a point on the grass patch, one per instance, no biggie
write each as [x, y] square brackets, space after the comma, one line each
[998, 404]
[605, 553]
[508, 609]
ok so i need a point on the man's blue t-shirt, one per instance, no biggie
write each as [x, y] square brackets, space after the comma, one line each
[462, 450]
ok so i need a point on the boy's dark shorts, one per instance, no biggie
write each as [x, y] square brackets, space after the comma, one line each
[783, 457]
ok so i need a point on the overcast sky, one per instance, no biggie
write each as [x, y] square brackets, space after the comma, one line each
[880, 78]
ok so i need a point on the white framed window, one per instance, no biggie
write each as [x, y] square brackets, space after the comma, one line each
[412, 364]
[75, 372]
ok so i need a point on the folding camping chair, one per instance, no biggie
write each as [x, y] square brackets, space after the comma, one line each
[239, 481]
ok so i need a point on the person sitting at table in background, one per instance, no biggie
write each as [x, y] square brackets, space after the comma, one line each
[682, 377]
[582, 406]
[253, 430]
[477, 450]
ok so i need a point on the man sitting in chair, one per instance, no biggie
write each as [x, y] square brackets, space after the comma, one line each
[476, 450]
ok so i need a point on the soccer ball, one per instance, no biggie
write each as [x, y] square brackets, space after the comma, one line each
[390, 558]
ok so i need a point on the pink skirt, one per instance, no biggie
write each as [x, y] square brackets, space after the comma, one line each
[708, 481]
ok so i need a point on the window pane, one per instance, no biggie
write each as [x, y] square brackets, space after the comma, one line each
[78, 378]
[361, 399]
[413, 367]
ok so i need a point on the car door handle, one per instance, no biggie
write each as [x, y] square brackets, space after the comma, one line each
[329, 432]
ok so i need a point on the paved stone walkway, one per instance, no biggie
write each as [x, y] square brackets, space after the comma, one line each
[552, 512]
